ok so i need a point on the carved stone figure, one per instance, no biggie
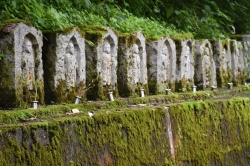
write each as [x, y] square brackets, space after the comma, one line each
[106, 64]
[207, 64]
[136, 64]
[28, 63]
[165, 62]
[187, 62]
[70, 66]
[224, 59]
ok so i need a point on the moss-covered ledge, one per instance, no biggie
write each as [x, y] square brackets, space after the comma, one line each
[112, 138]
[212, 132]
[53, 135]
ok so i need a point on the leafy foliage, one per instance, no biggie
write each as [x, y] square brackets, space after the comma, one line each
[1, 56]
[204, 19]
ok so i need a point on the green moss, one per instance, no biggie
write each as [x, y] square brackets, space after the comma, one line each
[70, 29]
[117, 132]
[200, 123]
[154, 38]
[5, 22]
[204, 132]
[182, 36]
[237, 37]
[96, 30]
[152, 86]
[128, 38]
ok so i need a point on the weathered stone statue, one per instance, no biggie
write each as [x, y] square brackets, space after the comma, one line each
[237, 62]
[132, 67]
[106, 63]
[165, 65]
[226, 58]
[70, 65]
[28, 63]
[207, 68]
[161, 65]
[136, 64]
[21, 69]
[223, 62]
[187, 63]
[101, 64]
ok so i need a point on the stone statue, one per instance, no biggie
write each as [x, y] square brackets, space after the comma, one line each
[165, 62]
[224, 59]
[70, 66]
[187, 62]
[106, 64]
[135, 64]
[28, 63]
[207, 64]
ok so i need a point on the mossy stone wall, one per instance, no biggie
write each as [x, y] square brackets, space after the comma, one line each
[134, 137]
[205, 133]
[212, 133]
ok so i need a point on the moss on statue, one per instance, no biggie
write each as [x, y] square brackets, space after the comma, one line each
[11, 21]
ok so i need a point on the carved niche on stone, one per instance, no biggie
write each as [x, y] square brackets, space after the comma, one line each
[132, 69]
[102, 64]
[106, 63]
[237, 62]
[21, 73]
[65, 66]
[71, 65]
[161, 59]
[185, 67]
[222, 58]
[135, 61]
[188, 60]
[109, 62]
[206, 71]
[28, 63]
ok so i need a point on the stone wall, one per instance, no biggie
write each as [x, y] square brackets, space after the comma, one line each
[202, 133]
[111, 62]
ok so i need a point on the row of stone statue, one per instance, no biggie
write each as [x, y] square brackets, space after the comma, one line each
[59, 66]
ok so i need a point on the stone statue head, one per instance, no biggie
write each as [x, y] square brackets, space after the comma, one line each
[223, 52]
[71, 49]
[135, 49]
[206, 51]
[187, 49]
[107, 48]
[165, 50]
[27, 45]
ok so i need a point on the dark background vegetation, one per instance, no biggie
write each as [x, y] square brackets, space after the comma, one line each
[197, 18]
